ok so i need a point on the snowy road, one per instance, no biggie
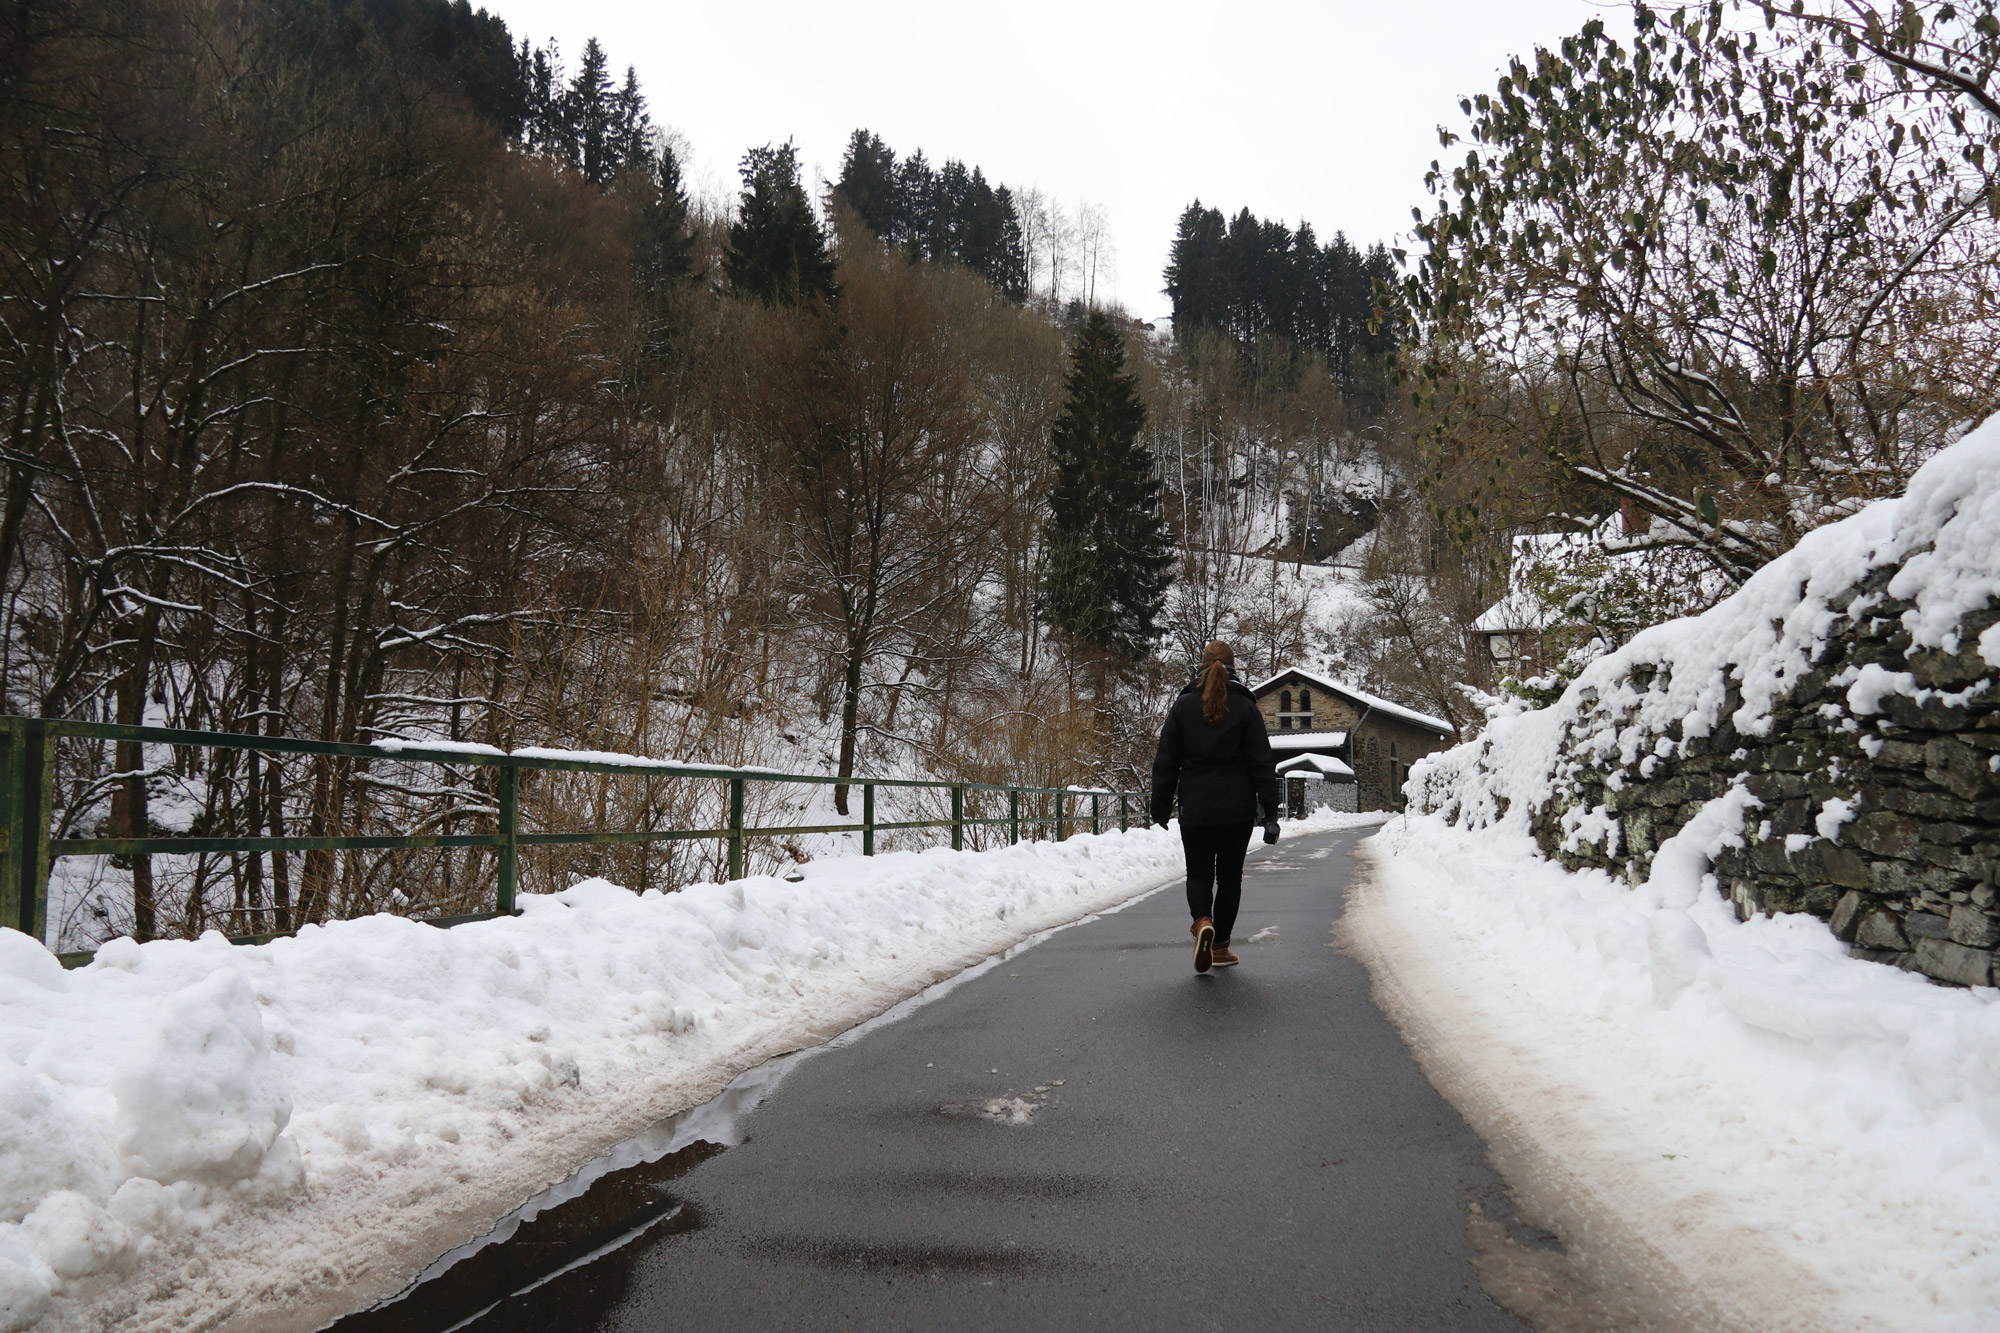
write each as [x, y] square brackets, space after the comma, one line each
[1088, 1136]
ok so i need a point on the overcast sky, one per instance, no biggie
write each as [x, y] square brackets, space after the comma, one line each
[1324, 112]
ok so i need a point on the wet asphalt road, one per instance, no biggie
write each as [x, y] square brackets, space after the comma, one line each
[1253, 1148]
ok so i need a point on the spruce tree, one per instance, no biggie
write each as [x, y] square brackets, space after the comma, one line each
[664, 265]
[777, 251]
[868, 182]
[1109, 554]
[1195, 280]
[593, 116]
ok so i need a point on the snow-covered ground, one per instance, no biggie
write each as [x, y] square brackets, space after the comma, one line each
[1732, 1124]
[196, 1135]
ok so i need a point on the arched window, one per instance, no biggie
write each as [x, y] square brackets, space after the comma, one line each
[1306, 710]
[1284, 710]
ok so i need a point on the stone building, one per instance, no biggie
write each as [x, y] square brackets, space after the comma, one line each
[1310, 714]
[1317, 782]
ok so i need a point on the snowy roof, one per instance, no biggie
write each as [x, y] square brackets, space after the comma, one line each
[1324, 764]
[1515, 611]
[1373, 703]
[1308, 740]
[1520, 608]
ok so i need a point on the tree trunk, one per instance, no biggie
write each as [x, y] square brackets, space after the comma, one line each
[850, 725]
[128, 800]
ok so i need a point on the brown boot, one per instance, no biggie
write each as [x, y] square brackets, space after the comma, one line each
[1204, 943]
[1223, 957]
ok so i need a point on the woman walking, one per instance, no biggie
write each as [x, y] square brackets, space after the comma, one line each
[1214, 751]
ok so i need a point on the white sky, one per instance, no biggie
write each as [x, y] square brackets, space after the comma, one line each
[1325, 112]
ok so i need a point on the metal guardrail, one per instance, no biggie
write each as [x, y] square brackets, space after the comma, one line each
[27, 779]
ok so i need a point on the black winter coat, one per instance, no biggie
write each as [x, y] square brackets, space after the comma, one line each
[1222, 771]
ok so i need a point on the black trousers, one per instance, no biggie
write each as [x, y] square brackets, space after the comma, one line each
[1215, 855]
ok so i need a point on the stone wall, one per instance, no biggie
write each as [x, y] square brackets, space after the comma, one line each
[1879, 803]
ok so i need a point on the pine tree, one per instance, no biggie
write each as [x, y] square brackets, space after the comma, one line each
[1109, 554]
[631, 127]
[1195, 280]
[868, 182]
[663, 253]
[1009, 270]
[546, 120]
[777, 251]
[592, 116]
[916, 203]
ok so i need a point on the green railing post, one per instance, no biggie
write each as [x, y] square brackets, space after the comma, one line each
[736, 828]
[27, 772]
[958, 816]
[1096, 813]
[1013, 815]
[1124, 806]
[510, 834]
[1062, 816]
[868, 819]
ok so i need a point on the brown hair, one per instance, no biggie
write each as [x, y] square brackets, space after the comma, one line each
[1216, 659]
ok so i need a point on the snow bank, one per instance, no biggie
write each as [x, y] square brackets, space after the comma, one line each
[193, 1133]
[1678, 682]
[1733, 1123]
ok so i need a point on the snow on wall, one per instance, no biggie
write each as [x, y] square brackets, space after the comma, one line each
[1846, 689]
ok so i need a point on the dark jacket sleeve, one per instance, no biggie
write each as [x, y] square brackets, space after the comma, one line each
[1167, 768]
[1261, 764]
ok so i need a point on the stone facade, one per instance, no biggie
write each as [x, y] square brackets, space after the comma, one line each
[1379, 746]
[1878, 805]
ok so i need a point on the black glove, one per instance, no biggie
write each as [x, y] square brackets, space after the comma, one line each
[1271, 832]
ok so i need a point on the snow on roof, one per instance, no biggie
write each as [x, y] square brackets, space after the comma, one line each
[1373, 703]
[1516, 611]
[1308, 740]
[1521, 608]
[1324, 764]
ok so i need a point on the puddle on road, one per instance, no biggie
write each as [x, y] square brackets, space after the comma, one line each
[610, 1202]
[620, 1197]
[1007, 1110]
[919, 1259]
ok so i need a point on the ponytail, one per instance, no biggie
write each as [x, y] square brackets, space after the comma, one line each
[1216, 660]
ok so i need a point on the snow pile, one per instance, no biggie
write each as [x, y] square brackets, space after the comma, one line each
[1733, 1122]
[1678, 682]
[287, 1131]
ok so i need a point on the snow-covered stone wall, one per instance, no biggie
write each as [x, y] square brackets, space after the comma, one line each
[1843, 701]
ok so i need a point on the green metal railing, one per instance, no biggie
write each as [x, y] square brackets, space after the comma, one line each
[27, 781]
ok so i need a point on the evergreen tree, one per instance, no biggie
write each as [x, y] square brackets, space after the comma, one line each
[545, 126]
[663, 253]
[916, 203]
[953, 213]
[1195, 282]
[631, 128]
[593, 116]
[1008, 268]
[1255, 279]
[868, 182]
[1109, 553]
[776, 250]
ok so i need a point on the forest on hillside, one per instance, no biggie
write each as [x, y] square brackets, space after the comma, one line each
[368, 371]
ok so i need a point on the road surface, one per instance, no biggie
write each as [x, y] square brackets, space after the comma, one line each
[1088, 1136]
